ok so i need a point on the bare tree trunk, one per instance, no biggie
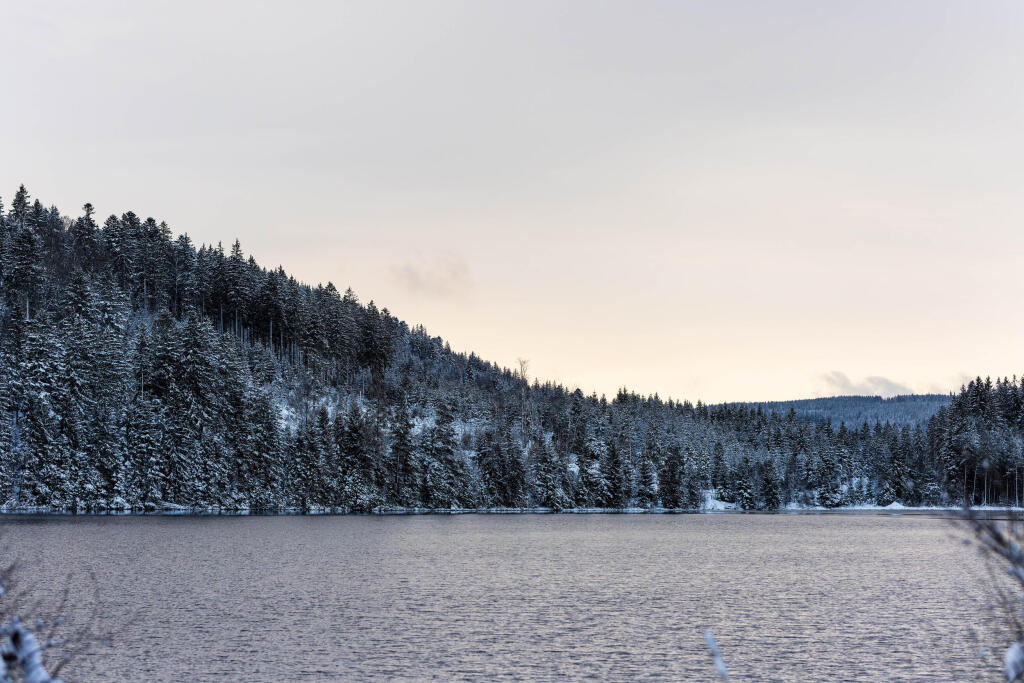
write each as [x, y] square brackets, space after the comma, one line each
[965, 486]
[523, 367]
[974, 484]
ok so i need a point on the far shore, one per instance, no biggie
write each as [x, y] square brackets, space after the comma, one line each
[718, 509]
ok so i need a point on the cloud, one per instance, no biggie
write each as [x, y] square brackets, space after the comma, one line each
[448, 277]
[840, 385]
[951, 384]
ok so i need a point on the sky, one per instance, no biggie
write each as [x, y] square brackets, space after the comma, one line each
[708, 200]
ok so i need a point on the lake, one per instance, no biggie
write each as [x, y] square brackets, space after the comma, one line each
[520, 597]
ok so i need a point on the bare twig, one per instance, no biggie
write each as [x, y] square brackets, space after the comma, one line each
[716, 654]
[1002, 541]
[37, 651]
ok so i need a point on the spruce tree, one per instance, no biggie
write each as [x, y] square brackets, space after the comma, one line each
[670, 487]
[404, 463]
[769, 493]
[646, 485]
[616, 475]
[549, 479]
[745, 486]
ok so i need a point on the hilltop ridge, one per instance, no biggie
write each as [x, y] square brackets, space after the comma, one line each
[142, 372]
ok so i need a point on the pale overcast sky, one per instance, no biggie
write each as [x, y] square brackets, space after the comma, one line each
[715, 200]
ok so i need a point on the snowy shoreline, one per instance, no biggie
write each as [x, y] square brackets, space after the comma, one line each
[715, 507]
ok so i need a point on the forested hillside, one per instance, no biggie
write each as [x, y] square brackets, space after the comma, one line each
[139, 371]
[911, 409]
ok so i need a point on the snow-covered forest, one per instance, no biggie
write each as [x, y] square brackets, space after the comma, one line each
[139, 371]
[909, 409]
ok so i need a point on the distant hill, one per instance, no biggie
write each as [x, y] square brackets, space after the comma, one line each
[855, 410]
[139, 372]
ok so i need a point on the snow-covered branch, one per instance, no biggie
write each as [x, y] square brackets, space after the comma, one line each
[21, 655]
[1002, 541]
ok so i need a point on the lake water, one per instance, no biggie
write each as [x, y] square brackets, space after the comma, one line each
[525, 597]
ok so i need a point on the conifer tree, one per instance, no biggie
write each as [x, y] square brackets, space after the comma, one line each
[262, 467]
[719, 470]
[769, 493]
[670, 487]
[646, 485]
[404, 463]
[617, 476]
[549, 479]
[745, 485]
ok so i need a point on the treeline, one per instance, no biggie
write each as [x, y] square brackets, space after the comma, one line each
[141, 372]
[909, 409]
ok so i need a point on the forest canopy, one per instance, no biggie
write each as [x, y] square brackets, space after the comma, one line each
[140, 371]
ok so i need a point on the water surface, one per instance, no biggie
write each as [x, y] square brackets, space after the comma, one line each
[530, 597]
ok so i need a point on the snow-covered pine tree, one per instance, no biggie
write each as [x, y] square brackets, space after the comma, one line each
[769, 493]
[670, 479]
[549, 479]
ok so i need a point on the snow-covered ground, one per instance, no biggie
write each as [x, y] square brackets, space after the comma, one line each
[711, 506]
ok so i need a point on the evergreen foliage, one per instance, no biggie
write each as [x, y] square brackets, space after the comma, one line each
[138, 371]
